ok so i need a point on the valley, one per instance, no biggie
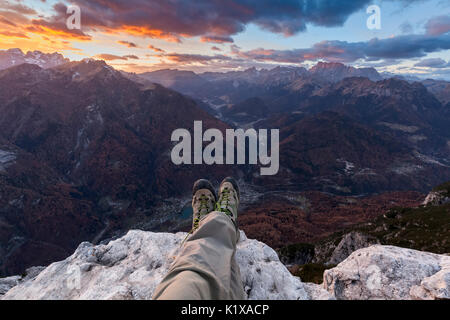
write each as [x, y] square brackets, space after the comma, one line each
[85, 150]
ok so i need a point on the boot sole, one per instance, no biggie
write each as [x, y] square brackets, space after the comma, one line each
[234, 183]
[204, 184]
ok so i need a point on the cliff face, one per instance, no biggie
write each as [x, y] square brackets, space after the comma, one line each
[131, 267]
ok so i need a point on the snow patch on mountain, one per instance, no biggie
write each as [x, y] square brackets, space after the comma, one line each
[349, 166]
[400, 127]
[406, 168]
[6, 159]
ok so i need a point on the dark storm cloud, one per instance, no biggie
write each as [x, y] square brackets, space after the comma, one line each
[211, 19]
[217, 39]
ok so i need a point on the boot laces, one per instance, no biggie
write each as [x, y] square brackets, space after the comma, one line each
[203, 208]
[223, 205]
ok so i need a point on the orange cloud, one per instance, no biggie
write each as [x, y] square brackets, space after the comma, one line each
[127, 43]
[155, 48]
[148, 32]
[7, 22]
[57, 29]
[111, 57]
[13, 34]
[131, 56]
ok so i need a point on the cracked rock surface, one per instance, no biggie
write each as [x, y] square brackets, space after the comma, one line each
[131, 267]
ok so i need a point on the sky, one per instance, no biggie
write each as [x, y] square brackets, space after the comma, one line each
[224, 35]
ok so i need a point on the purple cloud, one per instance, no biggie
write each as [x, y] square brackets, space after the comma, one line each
[438, 25]
[401, 47]
[433, 63]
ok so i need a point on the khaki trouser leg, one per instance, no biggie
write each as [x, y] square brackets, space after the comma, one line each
[206, 267]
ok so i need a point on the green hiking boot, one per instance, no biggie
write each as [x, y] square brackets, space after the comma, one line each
[203, 201]
[228, 202]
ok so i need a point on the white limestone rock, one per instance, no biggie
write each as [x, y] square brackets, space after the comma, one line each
[317, 292]
[131, 267]
[436, 198]
[387, 272]
[7, 283]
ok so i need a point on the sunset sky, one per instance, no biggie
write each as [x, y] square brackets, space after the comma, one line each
[223, 35]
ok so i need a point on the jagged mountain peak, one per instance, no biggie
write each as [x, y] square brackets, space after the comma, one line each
[328, 65]
[85, 63]
[15, 56]
[336, 71]
[87, 69]
[15, 51]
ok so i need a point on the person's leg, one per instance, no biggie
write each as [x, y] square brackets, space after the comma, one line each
[206, 267]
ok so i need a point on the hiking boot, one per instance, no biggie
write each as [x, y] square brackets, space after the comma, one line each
[203, 200]
[228, 202]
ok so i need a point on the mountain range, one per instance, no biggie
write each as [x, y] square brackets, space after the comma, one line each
[85, 149]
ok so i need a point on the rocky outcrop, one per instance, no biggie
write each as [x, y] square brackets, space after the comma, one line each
[131, 267]
[387, 272]
[439, 196]
[350, 242]
[329, 252]
[7, 283]
[436, 198]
